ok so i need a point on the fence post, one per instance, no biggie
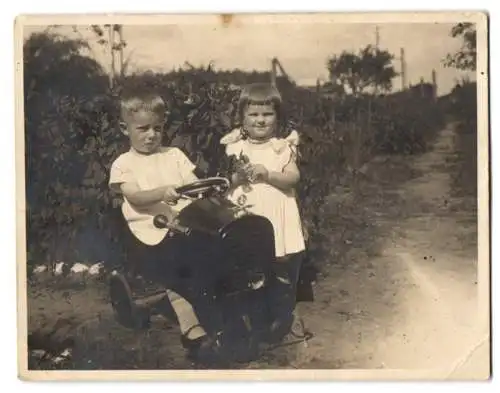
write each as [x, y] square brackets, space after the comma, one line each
[434, 85]
[273, 72]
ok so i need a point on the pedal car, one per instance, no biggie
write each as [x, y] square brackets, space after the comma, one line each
[228, 249]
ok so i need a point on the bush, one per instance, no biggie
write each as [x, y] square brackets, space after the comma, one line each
[464, 104]
[72, 137]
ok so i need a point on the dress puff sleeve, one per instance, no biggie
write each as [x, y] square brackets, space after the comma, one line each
[286, 150]
[232, 141]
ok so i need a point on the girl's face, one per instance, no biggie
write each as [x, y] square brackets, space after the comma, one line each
[260, 121]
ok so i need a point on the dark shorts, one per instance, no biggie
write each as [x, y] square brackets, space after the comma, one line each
[175, 264]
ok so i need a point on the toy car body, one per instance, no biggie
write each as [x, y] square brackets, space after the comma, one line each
[216, 248]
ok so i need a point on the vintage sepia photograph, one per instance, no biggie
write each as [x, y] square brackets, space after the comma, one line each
[285, 196]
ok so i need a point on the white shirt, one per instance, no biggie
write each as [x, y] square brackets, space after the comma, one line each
[169, 166]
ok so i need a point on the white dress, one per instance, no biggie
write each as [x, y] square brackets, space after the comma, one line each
[276, 205]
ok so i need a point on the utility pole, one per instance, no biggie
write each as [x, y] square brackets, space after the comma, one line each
[434, 85]
[377, 44]
[116, 44]
[111, 31]
[120, 48]
[403, 69]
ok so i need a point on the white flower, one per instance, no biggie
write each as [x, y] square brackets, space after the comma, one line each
[65, 355]
[96, 268]
[79, 268]
[59, 268]
[39, 269]
[38, 353]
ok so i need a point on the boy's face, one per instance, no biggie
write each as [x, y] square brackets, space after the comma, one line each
[259, 121]
[145, 131]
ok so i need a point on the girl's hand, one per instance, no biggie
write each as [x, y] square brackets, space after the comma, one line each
[259, 172]
[170, 195]
[243, 172]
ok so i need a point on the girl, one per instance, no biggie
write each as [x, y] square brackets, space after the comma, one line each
[265, 182]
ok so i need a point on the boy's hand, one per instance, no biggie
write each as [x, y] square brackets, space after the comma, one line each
[170, 195]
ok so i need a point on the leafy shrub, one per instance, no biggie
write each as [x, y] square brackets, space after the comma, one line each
[72, 137]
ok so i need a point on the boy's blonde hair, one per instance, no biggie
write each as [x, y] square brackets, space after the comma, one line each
[136, 100]
[260, 94]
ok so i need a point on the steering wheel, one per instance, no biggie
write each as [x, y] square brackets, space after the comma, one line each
[204, 187]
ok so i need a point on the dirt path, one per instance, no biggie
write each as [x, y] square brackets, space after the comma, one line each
[413, 303]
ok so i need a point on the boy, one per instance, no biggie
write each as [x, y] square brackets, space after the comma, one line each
[146, 176]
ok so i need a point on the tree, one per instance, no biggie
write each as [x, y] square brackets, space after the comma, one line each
[65, 122]
[370, 68]
[53, 62]
[465, 58]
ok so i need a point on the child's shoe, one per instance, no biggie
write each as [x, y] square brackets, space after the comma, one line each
[291, 328]
[204, 349]
[278, 330]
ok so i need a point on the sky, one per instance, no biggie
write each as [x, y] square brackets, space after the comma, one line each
[302, 48]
